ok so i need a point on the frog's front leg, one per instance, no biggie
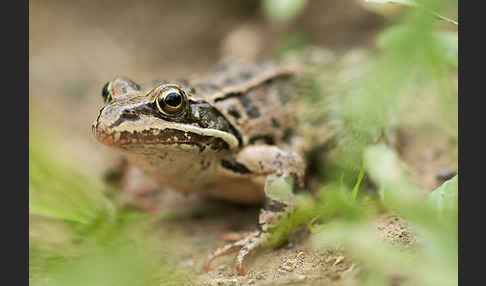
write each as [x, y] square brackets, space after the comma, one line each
[139, 190]
[284, 172]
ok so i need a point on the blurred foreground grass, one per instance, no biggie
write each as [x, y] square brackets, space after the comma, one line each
[408, 81]
[77, 236]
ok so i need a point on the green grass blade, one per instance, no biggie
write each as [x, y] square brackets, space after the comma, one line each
[354, 192]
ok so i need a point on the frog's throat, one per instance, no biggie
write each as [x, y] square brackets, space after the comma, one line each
[132, 133]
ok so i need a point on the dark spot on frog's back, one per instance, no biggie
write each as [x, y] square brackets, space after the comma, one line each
[205, 164]
[275, 122]
[284, 95]
[250, 107]
[266, 138]
[228, 95]
[163, 155]
[234, 112]
[235, 167]
[287, 136]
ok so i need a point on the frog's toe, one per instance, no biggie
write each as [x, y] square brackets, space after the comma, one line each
[227, 249]
[245, 246]
[252, 241]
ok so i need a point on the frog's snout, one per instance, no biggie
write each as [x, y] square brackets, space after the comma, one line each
[102, 131]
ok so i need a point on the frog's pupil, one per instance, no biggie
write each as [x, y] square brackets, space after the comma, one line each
[173, 99]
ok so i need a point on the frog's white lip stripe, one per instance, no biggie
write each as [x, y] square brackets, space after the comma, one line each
[227, 137]
[132, 127]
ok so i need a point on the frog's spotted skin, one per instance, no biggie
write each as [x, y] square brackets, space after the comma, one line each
[227, 134]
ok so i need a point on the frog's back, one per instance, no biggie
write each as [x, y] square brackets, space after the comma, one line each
[257, 98]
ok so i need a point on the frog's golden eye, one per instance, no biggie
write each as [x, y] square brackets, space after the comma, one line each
[170, 101]
[106, 93]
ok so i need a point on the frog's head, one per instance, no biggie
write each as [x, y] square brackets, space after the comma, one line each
[160, 115]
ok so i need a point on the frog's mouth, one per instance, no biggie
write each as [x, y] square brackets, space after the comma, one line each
[157, 132]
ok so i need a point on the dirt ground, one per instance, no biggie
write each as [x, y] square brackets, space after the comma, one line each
[197, 232]
[75, 47]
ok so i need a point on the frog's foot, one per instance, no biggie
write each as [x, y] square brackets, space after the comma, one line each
[245, 246]
[284, 171]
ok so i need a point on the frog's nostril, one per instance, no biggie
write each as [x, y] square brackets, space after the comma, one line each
[129, 114]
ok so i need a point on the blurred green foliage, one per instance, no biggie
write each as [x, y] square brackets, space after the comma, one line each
[48, 193]
[432, 260]
[409, 80]
[77, 236]
[283, 10]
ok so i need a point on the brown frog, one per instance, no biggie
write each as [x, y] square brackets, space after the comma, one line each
[229, 134]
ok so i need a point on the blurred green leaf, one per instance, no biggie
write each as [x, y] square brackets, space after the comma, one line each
[449, 43]
[354, 193]
[53, 212]
[386, 169]
[444, 198]
[280, 189]
[283, 10]
[58, 190]
[444, 43]
[335, 201]
[401, 195]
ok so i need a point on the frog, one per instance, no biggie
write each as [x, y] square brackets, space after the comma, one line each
[228, 134]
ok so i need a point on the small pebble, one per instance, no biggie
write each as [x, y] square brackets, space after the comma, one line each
[445, 174]
[221, 267]
[188, 263]
[338, 260]
[300, 277]
[287, 268]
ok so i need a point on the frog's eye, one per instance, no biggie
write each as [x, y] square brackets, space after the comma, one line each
[170, 101]
[106, 93]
